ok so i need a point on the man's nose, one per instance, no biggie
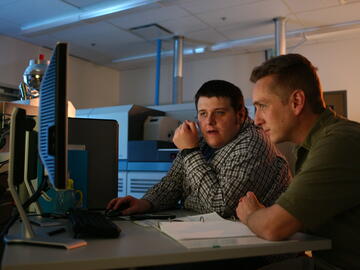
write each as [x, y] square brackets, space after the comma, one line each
[258, 119]
[210, 119]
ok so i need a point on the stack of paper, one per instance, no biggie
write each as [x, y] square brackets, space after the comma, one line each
[205, 217]
[188, 230]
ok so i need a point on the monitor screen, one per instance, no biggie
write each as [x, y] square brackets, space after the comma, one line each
[17, 145]
[53, 118]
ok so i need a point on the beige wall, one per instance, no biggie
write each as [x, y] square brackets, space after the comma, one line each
[89, 85]
[92, 85]
[338, 66]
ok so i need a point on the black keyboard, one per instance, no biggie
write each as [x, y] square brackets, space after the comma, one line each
[88, 224]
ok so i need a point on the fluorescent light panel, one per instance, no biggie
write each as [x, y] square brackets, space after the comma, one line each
[99, 12]
[93, 11]
[187, 51]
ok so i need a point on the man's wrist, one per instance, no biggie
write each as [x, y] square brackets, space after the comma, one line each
[187, 151]
[148, 206]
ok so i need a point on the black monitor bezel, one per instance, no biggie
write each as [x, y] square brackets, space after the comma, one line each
[53, 130]
[61, 121]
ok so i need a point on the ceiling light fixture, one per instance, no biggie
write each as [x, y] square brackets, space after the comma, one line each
[187, 51]
[91, 12]
[98, 11]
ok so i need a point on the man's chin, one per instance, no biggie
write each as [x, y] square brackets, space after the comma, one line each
[277, 140]
[214, 144]
[273, 139]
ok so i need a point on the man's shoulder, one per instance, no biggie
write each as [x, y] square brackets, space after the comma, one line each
[341, 129]
[336, 138]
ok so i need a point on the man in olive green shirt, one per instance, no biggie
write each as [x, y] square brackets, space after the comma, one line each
[324, 196]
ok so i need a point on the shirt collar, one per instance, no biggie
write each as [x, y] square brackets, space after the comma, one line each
[323, 120]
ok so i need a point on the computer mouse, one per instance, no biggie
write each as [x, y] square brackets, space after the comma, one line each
[112, 212]
[116, 212]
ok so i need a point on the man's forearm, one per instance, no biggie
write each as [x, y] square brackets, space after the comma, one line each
[259, 222]
[273, 223]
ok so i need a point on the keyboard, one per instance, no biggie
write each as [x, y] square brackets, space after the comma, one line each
[86, 224]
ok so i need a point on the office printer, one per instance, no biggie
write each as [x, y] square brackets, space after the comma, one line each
[161, 128]
[151, 151]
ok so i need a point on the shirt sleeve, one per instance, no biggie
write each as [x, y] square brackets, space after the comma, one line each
[167, 193]
[328, 182]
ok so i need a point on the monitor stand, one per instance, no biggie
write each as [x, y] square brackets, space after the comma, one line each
[27, 234]
[31, 173]
[30, 166]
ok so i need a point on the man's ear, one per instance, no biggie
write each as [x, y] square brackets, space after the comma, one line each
[297, 100]
[241, 115]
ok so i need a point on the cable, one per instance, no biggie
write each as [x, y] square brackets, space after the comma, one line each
[4, 132]
[43, 187]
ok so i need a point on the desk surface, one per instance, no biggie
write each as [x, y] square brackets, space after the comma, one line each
[146, 246]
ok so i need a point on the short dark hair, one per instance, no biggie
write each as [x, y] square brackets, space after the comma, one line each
[292, 72]
[221, 88]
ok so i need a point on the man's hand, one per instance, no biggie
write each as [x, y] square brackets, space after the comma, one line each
[247, 206]
[186, 136]
[130, 205]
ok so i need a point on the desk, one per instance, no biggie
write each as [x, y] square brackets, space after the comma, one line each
[145, 246]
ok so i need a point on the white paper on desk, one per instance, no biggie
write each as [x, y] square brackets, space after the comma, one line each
[204, 217]
[203, 230]
[147, 222]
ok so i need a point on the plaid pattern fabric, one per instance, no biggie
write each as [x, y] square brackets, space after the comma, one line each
[248, 163]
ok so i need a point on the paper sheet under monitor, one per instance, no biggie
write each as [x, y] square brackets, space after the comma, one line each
[205, 230]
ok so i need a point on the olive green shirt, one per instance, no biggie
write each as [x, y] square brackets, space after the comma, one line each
[324, 195]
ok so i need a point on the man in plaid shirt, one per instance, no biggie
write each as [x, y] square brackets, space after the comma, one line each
[210, 174]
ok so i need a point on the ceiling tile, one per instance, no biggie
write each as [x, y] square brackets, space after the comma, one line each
[202, 6]
[155, 15]
[207, 35]
[89, 53]
[306, 5]
[248, 31]
[100, 34]
[244, 30]
[134, 49]
[265, 11]
[293, 22]
[184, 25]
[43, 40]
[333, 15]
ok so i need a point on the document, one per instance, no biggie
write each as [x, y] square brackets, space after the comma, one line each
[190, 230]
[205, 217]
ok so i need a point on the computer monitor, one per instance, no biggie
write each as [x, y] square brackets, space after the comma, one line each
[53, 127]
[52, 147]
